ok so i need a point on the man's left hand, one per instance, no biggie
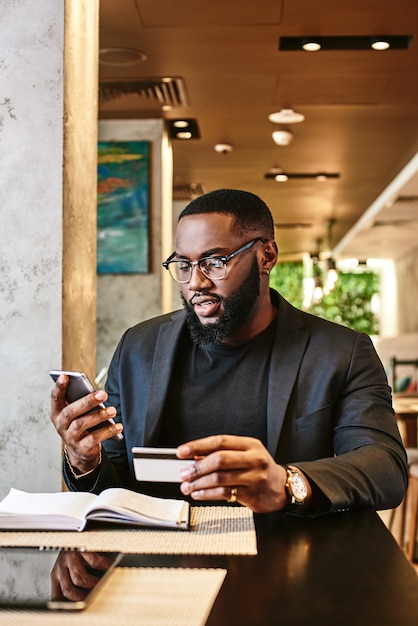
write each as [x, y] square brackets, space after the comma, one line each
[241, 465]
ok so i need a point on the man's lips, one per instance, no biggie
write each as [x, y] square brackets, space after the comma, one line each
[205, 306]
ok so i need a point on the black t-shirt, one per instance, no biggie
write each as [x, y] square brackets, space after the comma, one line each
[218, 390]
[213, 390]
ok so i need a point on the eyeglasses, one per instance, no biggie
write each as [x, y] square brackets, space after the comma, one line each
[213, 267]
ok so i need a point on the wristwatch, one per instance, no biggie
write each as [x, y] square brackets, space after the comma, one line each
[296, 486]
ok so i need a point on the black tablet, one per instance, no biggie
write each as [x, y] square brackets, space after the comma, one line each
[51, 578]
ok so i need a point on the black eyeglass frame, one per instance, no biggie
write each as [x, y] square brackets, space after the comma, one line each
[224, 258]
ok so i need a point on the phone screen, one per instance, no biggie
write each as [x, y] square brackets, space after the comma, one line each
[29, 577]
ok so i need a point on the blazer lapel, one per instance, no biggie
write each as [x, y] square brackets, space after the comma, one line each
[290, 344]
[163, 362]
[288, 350]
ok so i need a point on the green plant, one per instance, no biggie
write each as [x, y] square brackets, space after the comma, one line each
[348, 304]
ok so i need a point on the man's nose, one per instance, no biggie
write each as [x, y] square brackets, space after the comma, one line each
[198, 279]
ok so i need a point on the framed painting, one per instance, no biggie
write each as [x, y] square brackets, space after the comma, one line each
[123, 199]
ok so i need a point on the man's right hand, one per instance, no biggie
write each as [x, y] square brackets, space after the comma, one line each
[74, 425]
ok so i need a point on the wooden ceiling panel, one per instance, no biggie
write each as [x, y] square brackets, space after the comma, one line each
[330, 88]
[360, 107]
[193, 13]
[361, 17]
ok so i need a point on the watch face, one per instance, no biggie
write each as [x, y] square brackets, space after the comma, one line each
[298, 487]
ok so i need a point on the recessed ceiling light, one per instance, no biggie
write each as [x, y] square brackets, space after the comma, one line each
[286, 116]
[379, 44]
[184, 128]
[121, 56]
[282, 176]
[311, 46]
[344, 42]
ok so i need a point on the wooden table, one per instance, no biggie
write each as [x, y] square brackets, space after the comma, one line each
[405, 406]
[343, 569]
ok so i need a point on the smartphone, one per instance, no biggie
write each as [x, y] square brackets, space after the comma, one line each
[158, 465]
[79, 386]
[29, 577]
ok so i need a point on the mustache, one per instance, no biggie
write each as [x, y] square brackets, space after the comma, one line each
[204, 296]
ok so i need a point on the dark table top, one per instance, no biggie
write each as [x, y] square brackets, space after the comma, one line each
[341, 570]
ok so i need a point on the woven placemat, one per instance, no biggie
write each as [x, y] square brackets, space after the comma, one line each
[213, 530]
[133, 596]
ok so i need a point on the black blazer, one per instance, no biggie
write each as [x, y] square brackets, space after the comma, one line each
[329, 406]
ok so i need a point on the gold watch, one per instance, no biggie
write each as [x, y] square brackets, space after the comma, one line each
[296, 486]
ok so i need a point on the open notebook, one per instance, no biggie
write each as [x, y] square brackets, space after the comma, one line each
[21, 510]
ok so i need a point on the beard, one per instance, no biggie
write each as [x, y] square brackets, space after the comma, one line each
[236, 310]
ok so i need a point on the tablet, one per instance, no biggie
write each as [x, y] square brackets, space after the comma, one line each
[41, 578]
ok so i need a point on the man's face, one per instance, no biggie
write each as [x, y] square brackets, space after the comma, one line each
[217, 310]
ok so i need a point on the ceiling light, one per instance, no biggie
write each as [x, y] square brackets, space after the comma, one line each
[121, 56]
[286, 116]
[282, 137]
[224, 148]
[282, 176]
[278, 174]
[380, 44]
[351, 42]
[311, 46]
[184, 128]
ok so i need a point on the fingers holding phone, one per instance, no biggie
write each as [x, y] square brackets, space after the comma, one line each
[77, 409]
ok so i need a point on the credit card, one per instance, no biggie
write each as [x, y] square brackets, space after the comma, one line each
[158, 465]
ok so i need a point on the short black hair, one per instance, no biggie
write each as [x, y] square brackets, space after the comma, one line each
[251, 214]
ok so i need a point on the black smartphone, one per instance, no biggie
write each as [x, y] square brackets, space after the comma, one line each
[29, 577]
[79, 385]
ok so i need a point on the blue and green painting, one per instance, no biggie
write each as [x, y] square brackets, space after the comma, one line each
[123, 207]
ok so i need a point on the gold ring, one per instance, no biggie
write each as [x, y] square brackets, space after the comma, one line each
[233, 495]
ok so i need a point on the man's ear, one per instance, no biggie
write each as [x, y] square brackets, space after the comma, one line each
[270, 254]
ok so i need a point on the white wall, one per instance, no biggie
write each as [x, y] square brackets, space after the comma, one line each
[31, 146]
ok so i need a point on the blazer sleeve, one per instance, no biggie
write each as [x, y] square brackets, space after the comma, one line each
[368, 467]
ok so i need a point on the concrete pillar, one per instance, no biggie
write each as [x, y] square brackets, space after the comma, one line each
[47, 299]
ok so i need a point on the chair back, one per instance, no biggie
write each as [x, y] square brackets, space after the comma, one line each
[398, 374]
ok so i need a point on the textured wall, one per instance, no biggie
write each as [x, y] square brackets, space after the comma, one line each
[31, 105]
[47, 285]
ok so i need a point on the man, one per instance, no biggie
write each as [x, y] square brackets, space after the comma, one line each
[278, 409]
